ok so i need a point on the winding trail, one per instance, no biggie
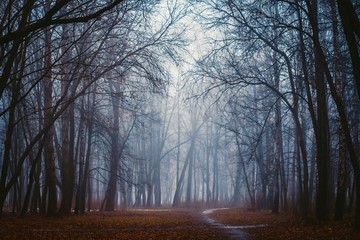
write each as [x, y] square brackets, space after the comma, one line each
[235, 232]
[136, 224]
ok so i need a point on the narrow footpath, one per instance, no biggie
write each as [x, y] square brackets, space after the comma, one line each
[234, 232]
[131, 224]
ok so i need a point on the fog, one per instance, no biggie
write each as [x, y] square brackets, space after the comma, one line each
[149, 104]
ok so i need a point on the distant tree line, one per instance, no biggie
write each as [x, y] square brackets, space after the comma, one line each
[90, 117]
[75, 76]
[288, 71]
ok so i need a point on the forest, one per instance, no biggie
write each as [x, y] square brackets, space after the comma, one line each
[126, 104]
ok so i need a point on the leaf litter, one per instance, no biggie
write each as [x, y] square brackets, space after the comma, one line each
[171, 224]
[174, 224]
[285, 226]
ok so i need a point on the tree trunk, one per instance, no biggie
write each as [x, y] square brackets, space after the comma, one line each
[179, 185]
[207, 176]
[341, 181]
[80, 153]
[34, 164]
[343, 121]
[85, 179]
[7, 147]
[49, 137]
[321, 133]
[278, 136]
[67, 130]
[190, 178]
[237, 187]
[157, 183]
[114, 157]
[351, 26]
[248, 187]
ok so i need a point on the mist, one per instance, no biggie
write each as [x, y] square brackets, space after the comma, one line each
[119, 105]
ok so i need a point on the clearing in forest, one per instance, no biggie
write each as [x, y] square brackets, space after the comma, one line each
[132, 224]
[172, 224]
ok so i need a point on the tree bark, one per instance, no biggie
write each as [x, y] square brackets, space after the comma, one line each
[351, 26]
[179, 185]
[341, 181]
[67, 128]
[321, 130]
[114, 156]
[49, 136]
[343, 121]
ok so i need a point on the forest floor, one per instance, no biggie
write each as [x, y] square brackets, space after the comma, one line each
[171, 224]
[269, 226]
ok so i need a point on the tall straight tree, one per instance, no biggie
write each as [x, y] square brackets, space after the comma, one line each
[256, 21]
[321, 128]
[115, 146]
[342, 169]
[67, 127]
[351, 27]
[340, 109]
[50, 183]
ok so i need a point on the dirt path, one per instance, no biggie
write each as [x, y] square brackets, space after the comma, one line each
[269, 226]
[233, 232]
[133, 224]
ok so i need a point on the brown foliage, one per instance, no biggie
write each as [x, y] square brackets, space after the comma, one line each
[170, 224]
[284, 226]
[133, 224]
